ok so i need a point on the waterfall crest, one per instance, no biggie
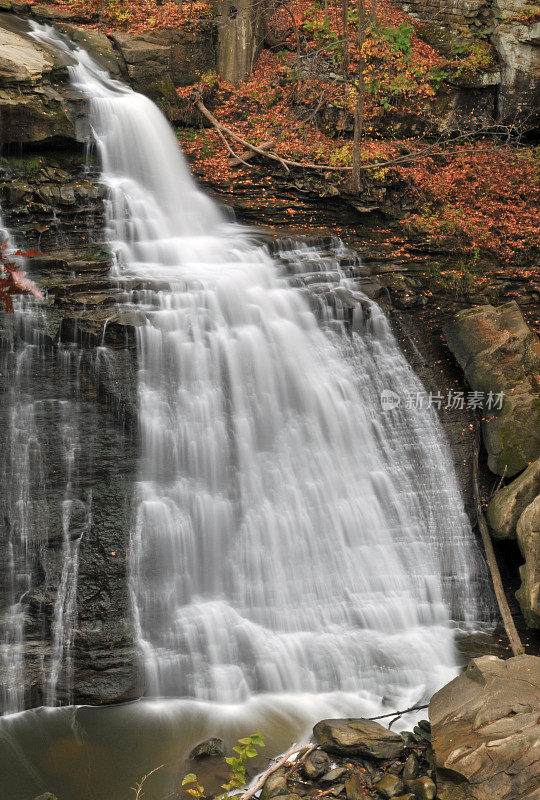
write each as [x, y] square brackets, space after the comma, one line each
[290, 536]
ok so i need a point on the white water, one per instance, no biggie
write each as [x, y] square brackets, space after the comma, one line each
[290, 536]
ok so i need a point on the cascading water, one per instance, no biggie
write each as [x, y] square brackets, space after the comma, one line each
[290, 536]
[39, 499]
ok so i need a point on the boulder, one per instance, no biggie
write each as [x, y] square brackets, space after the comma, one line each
[485, 731]
[211, 748]
[509, 503]
[528, 535]
[358, 737]
[500, 353]
[241, 33]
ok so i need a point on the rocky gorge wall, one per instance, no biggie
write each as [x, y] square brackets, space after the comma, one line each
[512, 27]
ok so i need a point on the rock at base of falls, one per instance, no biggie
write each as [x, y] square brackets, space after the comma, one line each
[210, 748]
[485, 731]
[360, 737]
[316, 765]
[482, 744]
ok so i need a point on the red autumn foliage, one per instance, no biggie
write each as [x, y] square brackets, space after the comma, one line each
[12, 280]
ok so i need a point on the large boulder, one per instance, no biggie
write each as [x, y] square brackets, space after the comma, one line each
[528, 534]
[509, 503]
[485, 732]
[357, 737]
[500, 355]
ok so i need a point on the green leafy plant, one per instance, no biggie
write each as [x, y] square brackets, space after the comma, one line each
[400, 38]
[245, 749]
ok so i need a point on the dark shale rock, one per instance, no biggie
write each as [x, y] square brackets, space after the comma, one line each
[357, 737]
[485, 731]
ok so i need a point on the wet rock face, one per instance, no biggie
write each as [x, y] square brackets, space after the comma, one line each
[500, 353]
[51, 198]
[485, 731]
[358, 737]
[36, 102]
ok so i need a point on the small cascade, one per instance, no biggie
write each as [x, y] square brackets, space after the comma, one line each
[290, 536]
[43, 514]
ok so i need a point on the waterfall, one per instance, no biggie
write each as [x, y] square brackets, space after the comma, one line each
[290, 535]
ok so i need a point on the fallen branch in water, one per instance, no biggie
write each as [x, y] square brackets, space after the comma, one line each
[309, 748]
[397, 714]
[259, 783]
[508, 622]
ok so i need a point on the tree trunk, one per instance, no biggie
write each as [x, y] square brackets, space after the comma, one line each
[242, 26]
[356, 176]
[345, 23]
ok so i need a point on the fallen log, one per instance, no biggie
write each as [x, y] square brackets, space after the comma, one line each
[196, 99]
[247, 154]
